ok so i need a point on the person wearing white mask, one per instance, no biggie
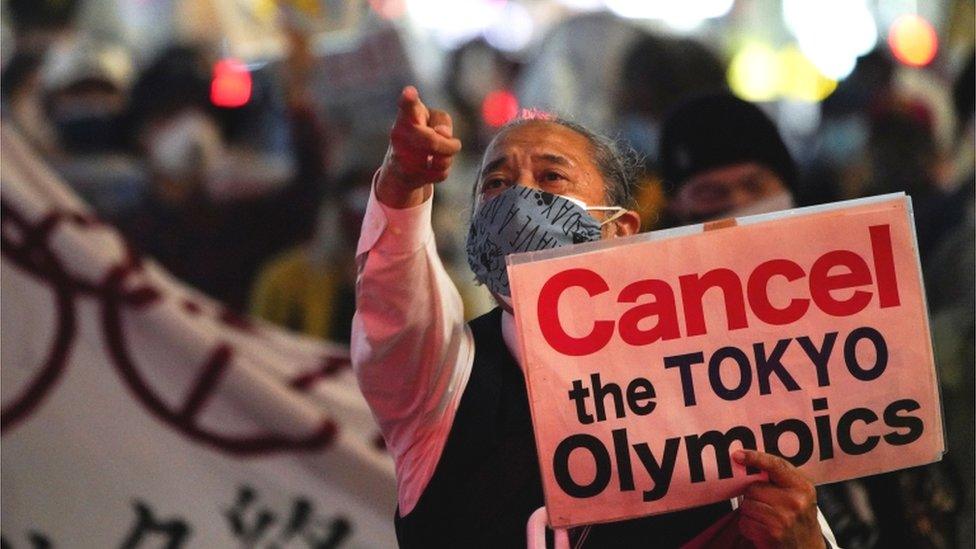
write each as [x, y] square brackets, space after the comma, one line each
[184, 150]
[723, 157]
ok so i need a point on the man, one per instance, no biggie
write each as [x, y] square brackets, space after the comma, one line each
[450, 398]
[723, 157]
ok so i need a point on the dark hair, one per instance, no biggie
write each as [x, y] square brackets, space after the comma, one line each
[619, 164]
[177, 78]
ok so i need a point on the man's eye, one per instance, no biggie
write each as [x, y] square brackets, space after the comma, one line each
[553, 176]
[493, 183]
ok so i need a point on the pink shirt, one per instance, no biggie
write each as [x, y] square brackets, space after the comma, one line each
[411, 349]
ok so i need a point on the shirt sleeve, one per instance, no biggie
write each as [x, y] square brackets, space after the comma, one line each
[828, 535]
[411, 349]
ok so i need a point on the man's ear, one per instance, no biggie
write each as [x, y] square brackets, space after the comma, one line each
[627, 224]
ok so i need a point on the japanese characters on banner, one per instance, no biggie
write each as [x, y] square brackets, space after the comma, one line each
[650, 359]
[139, 413]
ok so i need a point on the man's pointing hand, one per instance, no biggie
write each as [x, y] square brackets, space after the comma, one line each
[422, 148]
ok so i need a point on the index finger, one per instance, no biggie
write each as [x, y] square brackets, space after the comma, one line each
[780, 472]
[411, 108]
[441, 122]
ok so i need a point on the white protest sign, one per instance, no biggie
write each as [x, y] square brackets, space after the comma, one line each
[649, 359]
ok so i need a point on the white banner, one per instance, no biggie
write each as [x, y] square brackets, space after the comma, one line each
[137, 412]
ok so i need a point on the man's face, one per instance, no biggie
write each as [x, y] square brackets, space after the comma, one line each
[553, 158]
[719, 192]
[541, 155]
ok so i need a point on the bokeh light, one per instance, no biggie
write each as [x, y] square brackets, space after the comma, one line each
[455, 22]
[231, 85]
[757, 72]
[800, 79]
[513, 28]
[913, 40]
[754, 73]
[582, 5]
[499, 108]
[680, 14]
[832, 33]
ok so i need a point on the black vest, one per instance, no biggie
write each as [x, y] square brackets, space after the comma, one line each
[487, 481]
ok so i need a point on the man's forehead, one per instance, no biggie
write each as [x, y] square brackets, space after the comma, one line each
[538, 138]
[501, 160]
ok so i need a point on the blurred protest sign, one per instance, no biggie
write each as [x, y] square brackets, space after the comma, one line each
[137, 412]
[649, 359]
[357, 81]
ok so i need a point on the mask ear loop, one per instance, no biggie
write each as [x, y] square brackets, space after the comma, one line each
[619, 212]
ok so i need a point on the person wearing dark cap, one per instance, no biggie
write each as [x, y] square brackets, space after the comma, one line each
[723, 157]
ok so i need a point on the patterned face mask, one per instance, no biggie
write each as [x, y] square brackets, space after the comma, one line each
[522, 219]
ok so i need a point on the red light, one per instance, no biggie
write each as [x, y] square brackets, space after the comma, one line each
[913, 40]
[231, 86]
[499, 108]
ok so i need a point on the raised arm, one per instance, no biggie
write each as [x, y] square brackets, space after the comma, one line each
[422, 148]
[411, 350]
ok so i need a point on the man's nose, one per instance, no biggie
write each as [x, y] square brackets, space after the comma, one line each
[526, 178]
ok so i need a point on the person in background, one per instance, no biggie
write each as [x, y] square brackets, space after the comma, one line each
[950, 286]
[723, 157]
[219, 206]
[311, 288]
[654, 78]
[720, 157]
[173, 127]
[85, 86]
[311, 140]
[902, 156]
[920, 506]
[472, 71]
[30, 29]
[837, 170]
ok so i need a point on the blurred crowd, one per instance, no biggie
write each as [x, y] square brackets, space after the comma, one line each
[258, 202]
